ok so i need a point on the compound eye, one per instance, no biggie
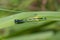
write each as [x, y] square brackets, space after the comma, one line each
[19, 21]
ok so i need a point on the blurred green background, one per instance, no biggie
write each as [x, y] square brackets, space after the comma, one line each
[48, 29]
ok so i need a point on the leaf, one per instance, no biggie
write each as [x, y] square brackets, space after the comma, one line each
[36, 36]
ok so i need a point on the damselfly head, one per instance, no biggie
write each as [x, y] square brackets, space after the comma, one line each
[17, 21]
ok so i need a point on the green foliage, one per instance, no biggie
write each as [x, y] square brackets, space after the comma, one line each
[47, 29]
[33, 29]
